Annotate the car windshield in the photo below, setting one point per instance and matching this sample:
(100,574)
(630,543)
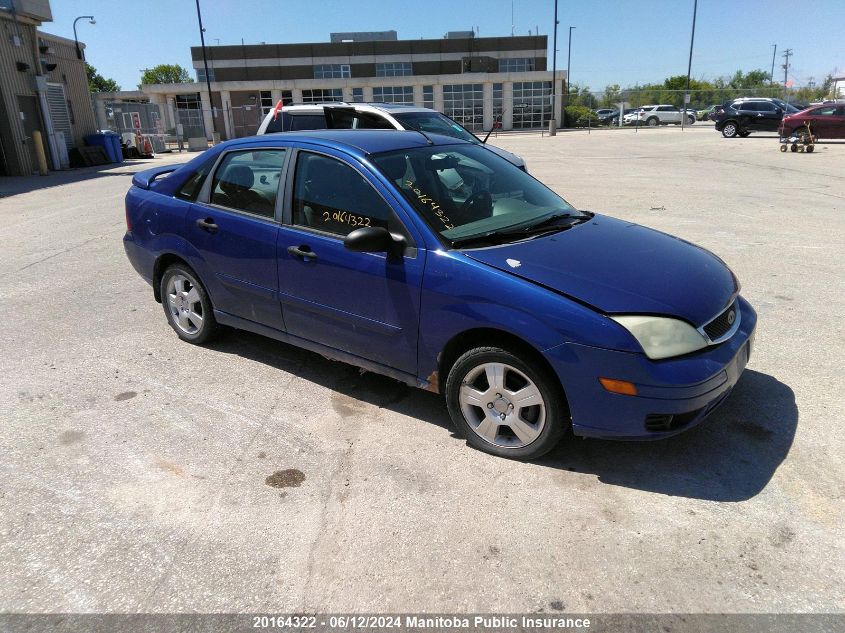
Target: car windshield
(469,194)
(434,123)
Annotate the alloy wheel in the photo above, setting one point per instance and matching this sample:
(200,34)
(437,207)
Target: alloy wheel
(502,405)
(183,300)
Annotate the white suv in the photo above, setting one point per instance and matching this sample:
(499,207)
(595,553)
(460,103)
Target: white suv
(373,116)
(654,115)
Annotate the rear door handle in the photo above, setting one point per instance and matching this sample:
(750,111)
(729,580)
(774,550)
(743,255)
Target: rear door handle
(303,252)
(207,225)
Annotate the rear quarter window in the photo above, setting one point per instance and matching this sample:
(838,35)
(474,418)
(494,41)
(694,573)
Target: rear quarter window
(191,187)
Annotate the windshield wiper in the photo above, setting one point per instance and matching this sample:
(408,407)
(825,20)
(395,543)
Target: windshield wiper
(545,226)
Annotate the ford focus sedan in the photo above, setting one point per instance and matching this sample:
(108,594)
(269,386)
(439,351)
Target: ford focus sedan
(442,265)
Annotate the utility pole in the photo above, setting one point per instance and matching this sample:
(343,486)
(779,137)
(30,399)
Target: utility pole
(787,54)
(772,74)
(553,120)
(689,66)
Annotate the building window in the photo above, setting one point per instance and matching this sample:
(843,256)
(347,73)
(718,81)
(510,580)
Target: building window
(201,74)
(516,65)
(358,95)
(324,94)
(332,71)
(287,97)
(394,69)
(465,104)
(394,94)
(428,97)
(531,107)
(266,101)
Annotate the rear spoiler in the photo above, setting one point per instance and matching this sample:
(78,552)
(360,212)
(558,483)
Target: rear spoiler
(143,179)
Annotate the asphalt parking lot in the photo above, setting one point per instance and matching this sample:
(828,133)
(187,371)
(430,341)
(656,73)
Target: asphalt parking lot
(140,473)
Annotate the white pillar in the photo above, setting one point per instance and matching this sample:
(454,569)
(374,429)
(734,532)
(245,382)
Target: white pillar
(226,106)
(507,105)
(368,94)
(418,95)
(207,119)
(170,111)
(438,97)
(276,95)
(296,93)
(487,117)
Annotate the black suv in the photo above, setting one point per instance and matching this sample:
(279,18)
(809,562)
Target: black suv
(740,117)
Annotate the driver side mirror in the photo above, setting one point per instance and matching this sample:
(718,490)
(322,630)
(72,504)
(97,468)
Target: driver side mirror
(374,239)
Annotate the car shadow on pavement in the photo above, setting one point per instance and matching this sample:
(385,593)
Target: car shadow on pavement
(348,380)
(730,456)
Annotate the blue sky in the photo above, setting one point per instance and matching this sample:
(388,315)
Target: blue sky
(615,41)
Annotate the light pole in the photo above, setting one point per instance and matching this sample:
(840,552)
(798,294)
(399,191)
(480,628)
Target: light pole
(207,79)
(91,20)
(772,74)
(568,58)
(689,66)
(553,121)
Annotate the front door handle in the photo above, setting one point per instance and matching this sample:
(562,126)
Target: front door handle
(207,225)
(303,252)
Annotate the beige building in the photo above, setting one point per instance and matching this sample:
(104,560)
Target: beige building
(478,81)
(43,87)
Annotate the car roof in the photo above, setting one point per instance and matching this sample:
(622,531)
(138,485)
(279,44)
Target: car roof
(356,142)
(362,106)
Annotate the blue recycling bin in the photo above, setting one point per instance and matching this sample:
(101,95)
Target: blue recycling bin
(114,138)
(103,141)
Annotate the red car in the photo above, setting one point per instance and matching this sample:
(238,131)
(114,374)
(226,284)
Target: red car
(825,121)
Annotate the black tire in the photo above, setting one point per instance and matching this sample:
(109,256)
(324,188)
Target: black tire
(652,121)
(200,330)
(555,423)
(793,147)
(691,120)
(810,149)
(730,129)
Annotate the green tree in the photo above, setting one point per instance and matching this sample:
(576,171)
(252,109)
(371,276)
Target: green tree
(612,96)
(98,83)
(166,74)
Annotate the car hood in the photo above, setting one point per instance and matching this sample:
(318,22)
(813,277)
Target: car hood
(508,156)
(619,267)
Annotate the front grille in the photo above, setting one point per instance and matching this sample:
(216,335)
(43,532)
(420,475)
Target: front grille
(657,422)
(723,323)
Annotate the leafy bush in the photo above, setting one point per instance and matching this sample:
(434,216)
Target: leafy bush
(579,116)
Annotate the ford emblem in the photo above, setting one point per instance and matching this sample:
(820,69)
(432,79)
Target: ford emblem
(731,317)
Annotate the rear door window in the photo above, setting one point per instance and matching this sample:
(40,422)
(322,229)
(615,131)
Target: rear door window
(248,181)
(295,122)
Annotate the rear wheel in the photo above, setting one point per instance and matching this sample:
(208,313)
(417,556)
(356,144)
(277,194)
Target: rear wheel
(504,405)
(653,121)
(730,130)
(187,306)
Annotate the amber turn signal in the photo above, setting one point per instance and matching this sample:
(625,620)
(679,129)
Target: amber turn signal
(619,386)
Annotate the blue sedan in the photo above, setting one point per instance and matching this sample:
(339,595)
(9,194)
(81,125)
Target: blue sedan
(440,264)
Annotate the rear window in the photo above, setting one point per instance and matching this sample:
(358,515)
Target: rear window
(294,122)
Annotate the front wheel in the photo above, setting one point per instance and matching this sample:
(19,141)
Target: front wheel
(653,122)
(691,120)
(730,130)
(504,405)
(187,306)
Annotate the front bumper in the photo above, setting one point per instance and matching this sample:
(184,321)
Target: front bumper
(673,394)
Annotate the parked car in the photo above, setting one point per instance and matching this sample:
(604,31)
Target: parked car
(824,121)
(606,115)
(743,116)
(436,262)
(373,116)
(704,114)
(654,115)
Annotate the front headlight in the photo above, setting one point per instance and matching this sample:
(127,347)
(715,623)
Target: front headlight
(661,337)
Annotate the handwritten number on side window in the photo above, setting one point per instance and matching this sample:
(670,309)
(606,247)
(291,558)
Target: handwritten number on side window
(344,217)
